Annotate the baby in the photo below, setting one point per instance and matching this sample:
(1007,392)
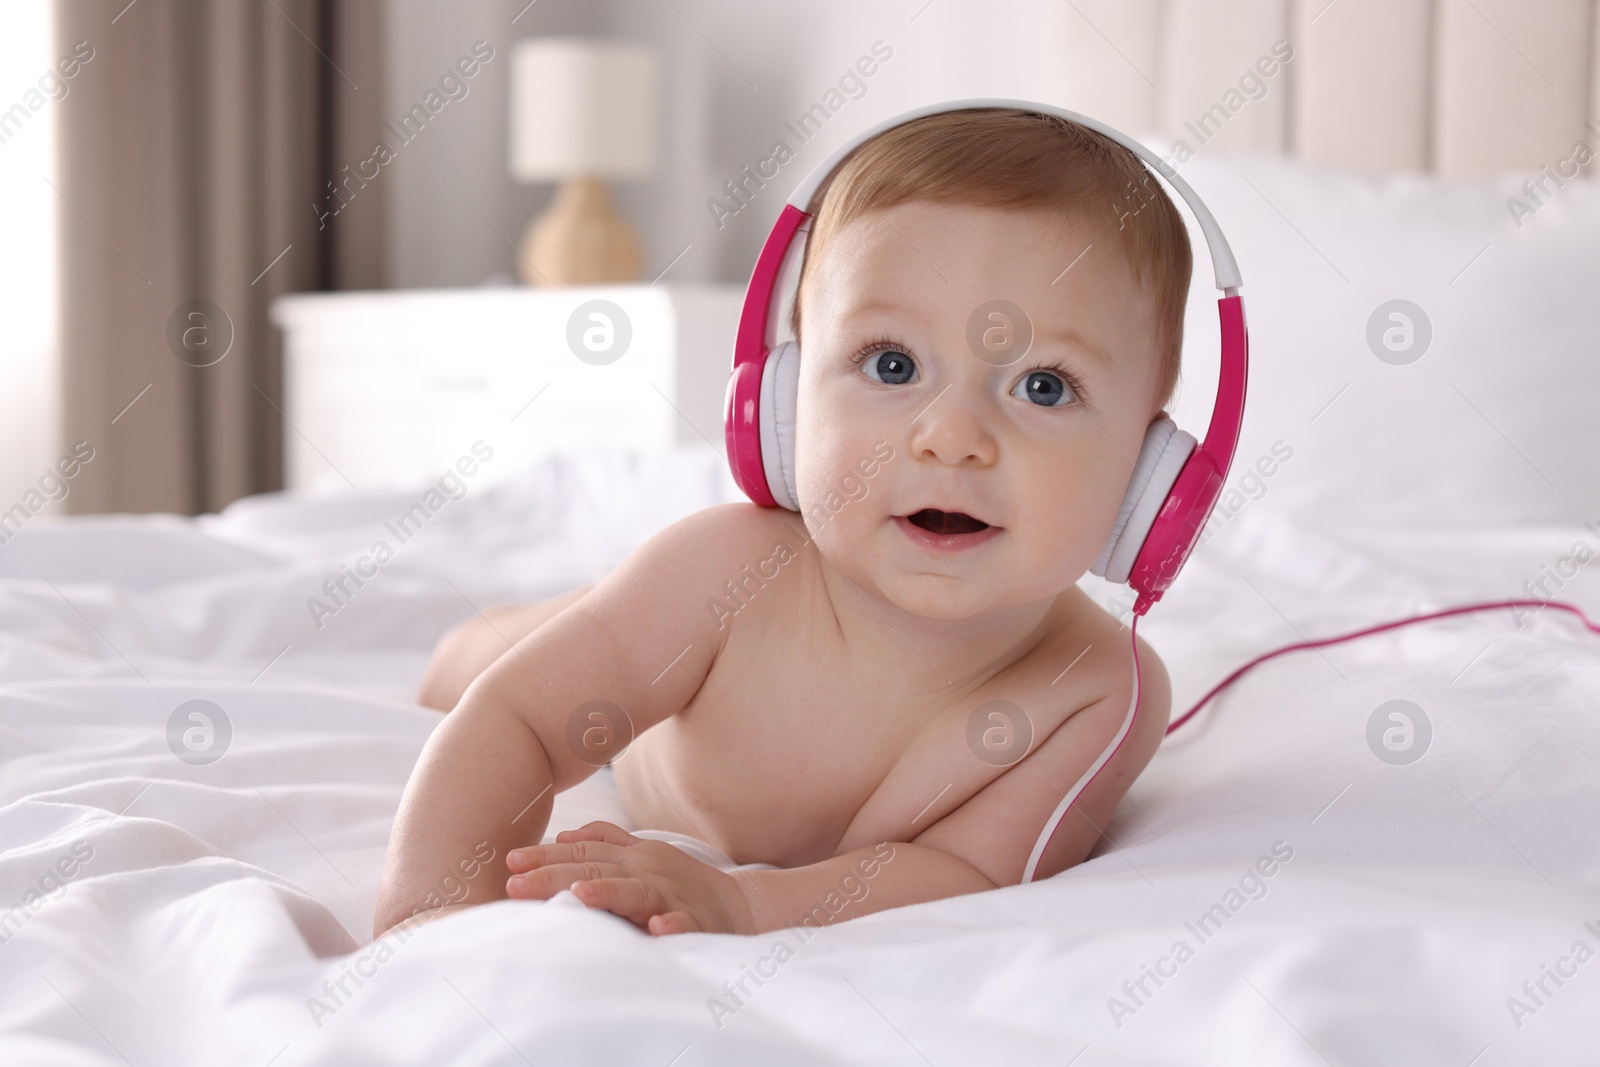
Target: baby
(903,680)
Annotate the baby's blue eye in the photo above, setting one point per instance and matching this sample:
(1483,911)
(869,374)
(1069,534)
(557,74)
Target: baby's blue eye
(1042,388)
(891,367)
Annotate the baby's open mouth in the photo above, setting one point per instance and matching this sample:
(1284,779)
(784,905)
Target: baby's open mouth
(946,522)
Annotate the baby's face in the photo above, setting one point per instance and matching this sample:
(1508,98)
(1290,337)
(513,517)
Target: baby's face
(899,347)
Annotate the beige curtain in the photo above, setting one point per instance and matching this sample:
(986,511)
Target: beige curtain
(196,148)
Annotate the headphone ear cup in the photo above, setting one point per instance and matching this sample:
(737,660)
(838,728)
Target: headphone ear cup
(780,389)
(1161,459)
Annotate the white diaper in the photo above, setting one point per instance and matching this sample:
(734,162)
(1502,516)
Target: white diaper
(702,851)
(597,797)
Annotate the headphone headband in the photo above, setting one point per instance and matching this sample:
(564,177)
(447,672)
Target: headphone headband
(1223,265)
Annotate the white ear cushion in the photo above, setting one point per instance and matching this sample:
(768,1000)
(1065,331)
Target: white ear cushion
(1166,449)
(780,388)
(1155,441)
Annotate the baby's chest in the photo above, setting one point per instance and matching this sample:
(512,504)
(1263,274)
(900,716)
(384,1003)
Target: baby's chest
(794,750)
(800,730)
(793,763)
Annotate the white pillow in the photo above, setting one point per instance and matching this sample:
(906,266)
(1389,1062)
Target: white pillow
(1493,424)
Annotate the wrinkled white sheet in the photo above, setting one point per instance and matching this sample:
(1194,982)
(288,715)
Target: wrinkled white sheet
(207,905)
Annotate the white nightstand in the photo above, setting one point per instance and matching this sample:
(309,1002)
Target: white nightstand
(398,384)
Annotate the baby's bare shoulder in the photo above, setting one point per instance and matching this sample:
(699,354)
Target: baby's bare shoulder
(703,559)
(639,640)
(746,525)
(705,542)
(1091,647)
(713,545)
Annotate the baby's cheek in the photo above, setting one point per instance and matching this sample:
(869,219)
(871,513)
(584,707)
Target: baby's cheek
(837,502)
(842,536)
(1060,539)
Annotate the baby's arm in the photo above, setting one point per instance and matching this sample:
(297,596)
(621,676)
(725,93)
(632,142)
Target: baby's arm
(491,769)
(984,841)
(468,649)
(980,839)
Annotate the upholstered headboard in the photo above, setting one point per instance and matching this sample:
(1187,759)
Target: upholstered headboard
(1453,87)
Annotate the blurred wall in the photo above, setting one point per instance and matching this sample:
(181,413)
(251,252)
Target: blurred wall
(732,75)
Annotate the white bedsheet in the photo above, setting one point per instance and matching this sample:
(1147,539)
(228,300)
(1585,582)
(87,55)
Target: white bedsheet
(208,905)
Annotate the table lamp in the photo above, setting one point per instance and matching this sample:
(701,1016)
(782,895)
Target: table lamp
(583,111)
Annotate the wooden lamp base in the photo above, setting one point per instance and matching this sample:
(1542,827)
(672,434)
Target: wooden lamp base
(580,239)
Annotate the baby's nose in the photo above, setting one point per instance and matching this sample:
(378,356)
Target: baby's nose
(950,431)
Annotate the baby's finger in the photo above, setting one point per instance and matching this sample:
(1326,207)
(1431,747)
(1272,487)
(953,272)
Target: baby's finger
(599,830)
(531,856)
(546,882)
(630,898)
(672,922)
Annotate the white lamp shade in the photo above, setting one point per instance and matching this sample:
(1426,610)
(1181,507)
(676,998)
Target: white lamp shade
(582,108)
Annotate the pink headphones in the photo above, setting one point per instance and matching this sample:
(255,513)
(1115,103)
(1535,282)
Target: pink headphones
(1174,483)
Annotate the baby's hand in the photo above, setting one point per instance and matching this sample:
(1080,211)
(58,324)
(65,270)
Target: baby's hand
(652,884)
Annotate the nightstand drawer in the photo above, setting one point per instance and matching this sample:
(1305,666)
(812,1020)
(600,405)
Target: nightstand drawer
(396,385)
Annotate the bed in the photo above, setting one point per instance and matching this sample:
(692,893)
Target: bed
(198,771)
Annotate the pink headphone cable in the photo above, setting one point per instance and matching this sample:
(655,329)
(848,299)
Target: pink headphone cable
(1031,867)
(1379,629)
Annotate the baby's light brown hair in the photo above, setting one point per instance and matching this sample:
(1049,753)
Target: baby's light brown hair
(1012,158)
